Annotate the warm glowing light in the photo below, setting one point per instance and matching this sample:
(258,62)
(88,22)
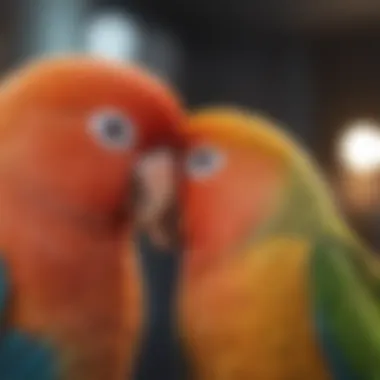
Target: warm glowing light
(113,35)
(359,148)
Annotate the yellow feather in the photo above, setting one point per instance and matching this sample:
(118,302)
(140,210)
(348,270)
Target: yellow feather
(251,318)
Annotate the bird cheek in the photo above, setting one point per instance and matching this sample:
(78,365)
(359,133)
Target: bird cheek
(115,183)
(127,178)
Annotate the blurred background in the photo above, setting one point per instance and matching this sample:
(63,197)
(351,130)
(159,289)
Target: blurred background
(312,64)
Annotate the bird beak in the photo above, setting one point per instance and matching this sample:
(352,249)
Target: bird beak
(155,186)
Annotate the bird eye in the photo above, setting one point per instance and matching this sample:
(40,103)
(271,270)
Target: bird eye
(113,130)
(204,161)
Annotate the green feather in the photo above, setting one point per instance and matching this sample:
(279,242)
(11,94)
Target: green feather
(350,305)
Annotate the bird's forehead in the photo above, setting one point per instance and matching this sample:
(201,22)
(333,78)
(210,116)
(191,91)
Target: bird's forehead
(86,80)
(237,133)
(72,86)
(84,86)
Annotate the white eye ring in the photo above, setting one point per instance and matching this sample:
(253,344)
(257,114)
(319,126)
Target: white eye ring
(204,161)
(112,129)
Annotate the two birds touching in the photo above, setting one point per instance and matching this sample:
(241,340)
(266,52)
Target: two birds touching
(273,285)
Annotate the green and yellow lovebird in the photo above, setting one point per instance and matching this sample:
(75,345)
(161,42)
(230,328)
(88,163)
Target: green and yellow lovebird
(274,285)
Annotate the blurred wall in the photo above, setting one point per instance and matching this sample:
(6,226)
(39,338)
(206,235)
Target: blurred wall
(56,27)
(50,27)
(273,76)
(348,89)
(348,86)
(9,32)
(163,53)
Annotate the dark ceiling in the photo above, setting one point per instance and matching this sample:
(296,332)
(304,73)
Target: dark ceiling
(221,19)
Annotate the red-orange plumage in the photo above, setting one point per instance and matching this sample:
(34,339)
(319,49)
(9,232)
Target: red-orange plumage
(64,207)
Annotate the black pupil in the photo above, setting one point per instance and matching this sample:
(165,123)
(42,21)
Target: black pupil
(114,129)
(202,159)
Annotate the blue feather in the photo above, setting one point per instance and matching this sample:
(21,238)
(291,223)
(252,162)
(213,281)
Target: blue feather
(338,365)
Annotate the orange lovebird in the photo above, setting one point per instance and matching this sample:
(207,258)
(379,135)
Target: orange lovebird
(70,130)
(244,309)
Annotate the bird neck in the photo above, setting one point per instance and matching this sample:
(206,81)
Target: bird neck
(56,260)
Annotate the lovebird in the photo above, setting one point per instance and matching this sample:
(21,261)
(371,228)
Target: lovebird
(274,285)
(71,130)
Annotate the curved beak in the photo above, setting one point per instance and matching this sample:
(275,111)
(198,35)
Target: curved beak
(156,194)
